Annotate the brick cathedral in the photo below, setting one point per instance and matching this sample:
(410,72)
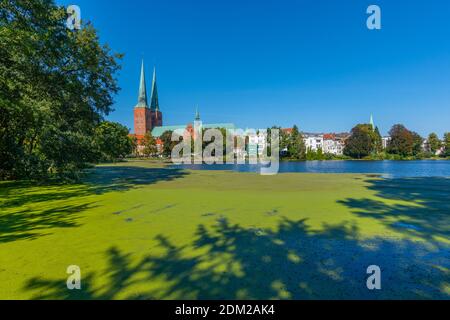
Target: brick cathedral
(147,117)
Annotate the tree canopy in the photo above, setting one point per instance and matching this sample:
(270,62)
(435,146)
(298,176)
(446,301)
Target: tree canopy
(150,149)
(296,145)
(434,143)
(56,86)
(112,141)
(446,144)
(404,142)
(363,141)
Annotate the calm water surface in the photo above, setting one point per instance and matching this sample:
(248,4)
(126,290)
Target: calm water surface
(393,169)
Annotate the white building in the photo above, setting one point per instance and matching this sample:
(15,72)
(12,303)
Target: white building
(440,151)
(313,142)
(257,142)
(334,143)
(427,148)
(335,147)
(385,141)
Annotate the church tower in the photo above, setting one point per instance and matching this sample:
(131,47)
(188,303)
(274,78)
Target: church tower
(147,117)
(157,119)
(198,125)
(142,114)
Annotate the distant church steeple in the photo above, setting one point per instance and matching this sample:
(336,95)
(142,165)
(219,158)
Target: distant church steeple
(154,103)
(372,123)
(197,114)
(142,99)
(147,117)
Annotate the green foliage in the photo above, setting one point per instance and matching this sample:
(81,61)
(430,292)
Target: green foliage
(446,144)
(313,155)
(55,87)
(417,144)
(377,141)
(403,142)
(364,141)
(168,144)
(434,143)
(282,141)
(150,148)
(295,145)
(112,141)
(134,146)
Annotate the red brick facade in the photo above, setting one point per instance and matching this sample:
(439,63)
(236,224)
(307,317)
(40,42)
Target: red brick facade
(142,121)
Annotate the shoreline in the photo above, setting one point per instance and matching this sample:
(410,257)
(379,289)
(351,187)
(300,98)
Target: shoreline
(167,161)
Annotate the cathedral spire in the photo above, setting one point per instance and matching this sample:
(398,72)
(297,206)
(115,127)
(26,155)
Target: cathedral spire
(197,114)
(142,100)
(154,103)
(372,123)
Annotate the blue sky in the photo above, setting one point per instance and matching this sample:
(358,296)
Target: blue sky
(312,63)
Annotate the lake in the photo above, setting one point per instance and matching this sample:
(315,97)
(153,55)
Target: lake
(392,169)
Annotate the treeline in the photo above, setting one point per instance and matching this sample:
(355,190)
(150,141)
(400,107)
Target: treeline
(56,86)
(365,142)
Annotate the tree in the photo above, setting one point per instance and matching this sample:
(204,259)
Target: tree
(283,140)
(418,149)
(434,143)
(166,139)
(112,141)
(296,145)
(402,142)
(377,141)
(446,144)
(55,87)
(134,145)
(315,155)
(150,148)
(362,141)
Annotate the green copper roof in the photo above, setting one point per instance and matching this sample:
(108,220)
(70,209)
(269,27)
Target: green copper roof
(154,103)
(158,131)
(219,126)
(142,100)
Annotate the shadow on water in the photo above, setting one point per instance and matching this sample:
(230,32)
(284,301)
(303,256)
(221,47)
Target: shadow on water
(51,208)
(123,178)
(31,224)
(421,207)
(292,262)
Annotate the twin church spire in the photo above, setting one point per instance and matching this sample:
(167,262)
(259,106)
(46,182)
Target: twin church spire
(142,99)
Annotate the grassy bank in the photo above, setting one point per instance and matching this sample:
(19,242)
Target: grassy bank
(139,230)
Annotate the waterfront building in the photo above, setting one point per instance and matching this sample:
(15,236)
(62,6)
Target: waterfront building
(385,142)
(313,142)
(334,144)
